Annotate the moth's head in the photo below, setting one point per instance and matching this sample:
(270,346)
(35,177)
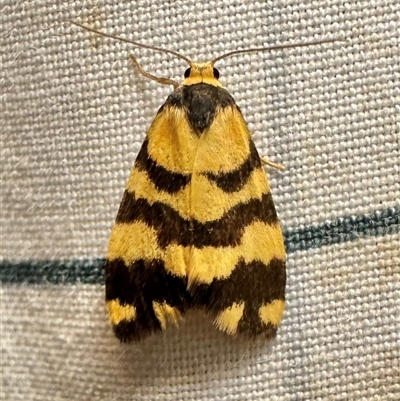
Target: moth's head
(201,73)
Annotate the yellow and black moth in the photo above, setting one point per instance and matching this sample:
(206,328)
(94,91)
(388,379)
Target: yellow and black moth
(197,226)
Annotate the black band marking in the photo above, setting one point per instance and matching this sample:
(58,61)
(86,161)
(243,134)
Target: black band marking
(200,102)
(255,284)
(163,179)
(139,285)
(171,227)
(143,282)
(235,180)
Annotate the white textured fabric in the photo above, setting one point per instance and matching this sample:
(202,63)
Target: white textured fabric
(74,113)
(339,340)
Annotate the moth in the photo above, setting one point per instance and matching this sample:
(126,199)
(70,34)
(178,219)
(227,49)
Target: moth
(197,227)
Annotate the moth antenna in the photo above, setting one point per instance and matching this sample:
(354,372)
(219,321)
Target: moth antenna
(160,80)
(278,47)
(107,35)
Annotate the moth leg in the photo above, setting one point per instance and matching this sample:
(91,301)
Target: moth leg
(160,80)
(272,164)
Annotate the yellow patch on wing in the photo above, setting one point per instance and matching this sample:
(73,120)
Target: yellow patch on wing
(133,241)
(140,184)
(172,142)
(229,318)
(176,259)
(208,202)
(219,149)
(166,313)
(272,313)
(202,200)
(260,241)
(225,145)
(119,313)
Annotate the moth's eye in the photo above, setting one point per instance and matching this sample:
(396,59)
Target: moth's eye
(216,73)
(187,73)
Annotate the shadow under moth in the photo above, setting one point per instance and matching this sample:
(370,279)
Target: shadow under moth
(197,226)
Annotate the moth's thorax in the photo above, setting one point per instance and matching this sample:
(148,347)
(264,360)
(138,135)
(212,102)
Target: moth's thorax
(201,73)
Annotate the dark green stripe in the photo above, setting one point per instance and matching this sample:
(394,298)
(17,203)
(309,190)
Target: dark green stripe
(53,271)
(343,230)
(91,271)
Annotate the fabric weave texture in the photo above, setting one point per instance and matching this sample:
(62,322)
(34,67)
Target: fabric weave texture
(74,113)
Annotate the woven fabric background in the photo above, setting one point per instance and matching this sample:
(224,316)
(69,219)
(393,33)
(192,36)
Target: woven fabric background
(73,115)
